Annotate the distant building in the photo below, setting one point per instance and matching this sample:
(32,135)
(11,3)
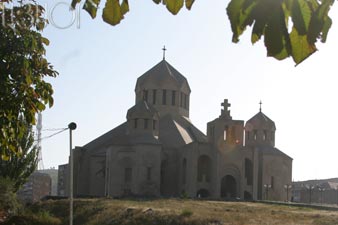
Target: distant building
(316,191)
(37,187)
(158,151)
(63,182)
(53,173)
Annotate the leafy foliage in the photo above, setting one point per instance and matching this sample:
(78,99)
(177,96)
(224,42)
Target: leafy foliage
(270,19)
(19,167)
(8,200)
(23,66)
(115,10)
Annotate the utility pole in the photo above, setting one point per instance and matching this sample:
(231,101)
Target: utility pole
(71,127)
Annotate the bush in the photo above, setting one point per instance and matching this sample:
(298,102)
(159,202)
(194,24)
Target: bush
(8,200)
(42,218)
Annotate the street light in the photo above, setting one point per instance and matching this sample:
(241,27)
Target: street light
(71,127)
(287,188)
(310,188)
(266,187)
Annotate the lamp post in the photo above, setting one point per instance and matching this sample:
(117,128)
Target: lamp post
(310,188)
(287,188)
(266,187)
(71,127)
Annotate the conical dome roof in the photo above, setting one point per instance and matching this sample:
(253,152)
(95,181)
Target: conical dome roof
(261,121)
(159,75)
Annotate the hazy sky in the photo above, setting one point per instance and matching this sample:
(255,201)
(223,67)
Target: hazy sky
(99,65)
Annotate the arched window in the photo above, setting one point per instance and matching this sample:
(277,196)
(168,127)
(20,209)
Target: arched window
(173,98)
(164,97)
(248,171)
(204,169)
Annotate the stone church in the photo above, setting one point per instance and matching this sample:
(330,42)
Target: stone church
(159,152)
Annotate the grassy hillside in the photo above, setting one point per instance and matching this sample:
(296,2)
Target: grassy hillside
(177,212)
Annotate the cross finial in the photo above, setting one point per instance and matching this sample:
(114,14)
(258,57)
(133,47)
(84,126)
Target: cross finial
(260,106)
(164,49)
(225,111)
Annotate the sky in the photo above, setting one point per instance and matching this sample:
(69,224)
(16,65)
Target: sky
(98,65)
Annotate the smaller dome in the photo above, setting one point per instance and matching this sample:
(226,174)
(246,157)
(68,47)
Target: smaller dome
(260,121)
(142,110)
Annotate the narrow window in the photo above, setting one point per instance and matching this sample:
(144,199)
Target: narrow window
(173,98)
(145,95)
(127,175)
(181,102)
(135,123)
(154,124)
(154,97)
(248,135)
(145,123)
(272,182)
(185,101)
(255,134)
(264,135)
(148,173)
(164,97)
(225,133)
(272,136)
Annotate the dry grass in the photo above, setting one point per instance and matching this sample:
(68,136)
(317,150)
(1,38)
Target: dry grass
(185,212)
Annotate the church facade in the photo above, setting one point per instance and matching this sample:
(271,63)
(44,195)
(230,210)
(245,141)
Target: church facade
(158,152)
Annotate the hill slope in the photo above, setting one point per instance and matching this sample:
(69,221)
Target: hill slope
(182,212)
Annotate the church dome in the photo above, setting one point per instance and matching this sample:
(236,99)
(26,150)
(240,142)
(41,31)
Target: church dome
(261,121)
(260,131)
(162,76)
(164,88)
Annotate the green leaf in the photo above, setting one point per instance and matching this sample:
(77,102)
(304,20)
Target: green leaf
(326,27)
(157,1)
(174,6)
(112,12)
(74,3)
(301,15)
(124,7)
(189,3)
(233,10)
(301,48)
(91,7)
(318,20)
(276,36)
(45,41)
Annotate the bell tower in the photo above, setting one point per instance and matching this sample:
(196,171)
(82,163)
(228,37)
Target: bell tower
(224,131)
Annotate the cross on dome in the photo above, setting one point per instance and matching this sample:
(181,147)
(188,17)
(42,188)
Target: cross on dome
(260,106)
(164,49)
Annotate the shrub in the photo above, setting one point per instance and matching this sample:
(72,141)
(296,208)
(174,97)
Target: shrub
(8,200)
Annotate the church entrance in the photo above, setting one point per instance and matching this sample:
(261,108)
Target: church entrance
(228,187)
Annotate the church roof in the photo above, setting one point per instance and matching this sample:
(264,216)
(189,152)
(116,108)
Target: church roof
(142,107)
(119,136)
(272,151)
(160,73)
(261,120)
(176,131)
